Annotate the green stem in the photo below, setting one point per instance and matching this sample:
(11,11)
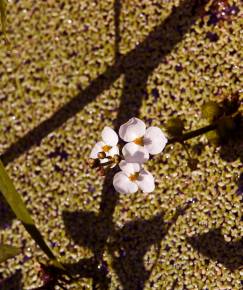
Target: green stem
(193,134)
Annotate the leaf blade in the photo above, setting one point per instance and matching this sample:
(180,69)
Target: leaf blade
(3,6)
(18,206)
(13,198)
(7,252)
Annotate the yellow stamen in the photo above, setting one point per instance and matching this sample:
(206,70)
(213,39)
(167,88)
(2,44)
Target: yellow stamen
(139,141)
(134,177)
(106,148)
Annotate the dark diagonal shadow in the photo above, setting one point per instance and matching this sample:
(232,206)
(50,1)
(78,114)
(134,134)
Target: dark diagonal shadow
(213,246)
(13,282)
(135,65)
(117,12)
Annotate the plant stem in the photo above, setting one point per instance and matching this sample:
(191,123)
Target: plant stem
(193,134)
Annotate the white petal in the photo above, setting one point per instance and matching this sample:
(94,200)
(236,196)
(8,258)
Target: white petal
(129,168)
(132,129)
(96,149)
(145,181)
(113,151)
(109,136)
(154,140)
(134,153)
(123,184)
(104,160)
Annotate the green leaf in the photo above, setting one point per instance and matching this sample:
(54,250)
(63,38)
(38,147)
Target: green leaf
(13,198)
(17,205)
(7,252)
(3,6)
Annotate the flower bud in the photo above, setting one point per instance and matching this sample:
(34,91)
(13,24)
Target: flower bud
(211,111)
(213,137)
(101,155)
(93,162)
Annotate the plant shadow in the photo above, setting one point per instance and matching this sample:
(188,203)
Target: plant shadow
(136,66)
(232,149)
(213,246)
(13,282)
(127,246)
(6,214)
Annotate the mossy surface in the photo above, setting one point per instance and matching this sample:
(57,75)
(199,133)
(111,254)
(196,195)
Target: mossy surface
(72,67)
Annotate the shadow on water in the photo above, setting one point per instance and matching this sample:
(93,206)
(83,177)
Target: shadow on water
(136,66)
(13,282)
(232,150)
(213,246)
(6,214)
(127,246)
(117,12)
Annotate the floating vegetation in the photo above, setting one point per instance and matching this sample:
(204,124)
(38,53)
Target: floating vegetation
(74,67)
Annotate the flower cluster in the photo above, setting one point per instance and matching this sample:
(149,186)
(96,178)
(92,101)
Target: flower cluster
(140,143)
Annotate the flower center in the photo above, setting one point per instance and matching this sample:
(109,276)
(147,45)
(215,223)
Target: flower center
(134,177)
(106,148)
(139,141)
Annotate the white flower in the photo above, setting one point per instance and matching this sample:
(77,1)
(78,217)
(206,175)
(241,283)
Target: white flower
(108,145)
(142,141)
(132,177)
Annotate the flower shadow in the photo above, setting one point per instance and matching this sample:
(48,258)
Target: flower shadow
(213,246)
(130,246)
(127,246)
(85,229)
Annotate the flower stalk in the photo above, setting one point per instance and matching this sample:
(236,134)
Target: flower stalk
(192,134)
(195,133)
(142,142)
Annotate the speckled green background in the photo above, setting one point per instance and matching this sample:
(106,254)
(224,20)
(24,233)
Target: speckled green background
(68,71)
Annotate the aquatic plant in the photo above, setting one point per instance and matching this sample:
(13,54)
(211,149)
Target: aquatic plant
(141,143)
